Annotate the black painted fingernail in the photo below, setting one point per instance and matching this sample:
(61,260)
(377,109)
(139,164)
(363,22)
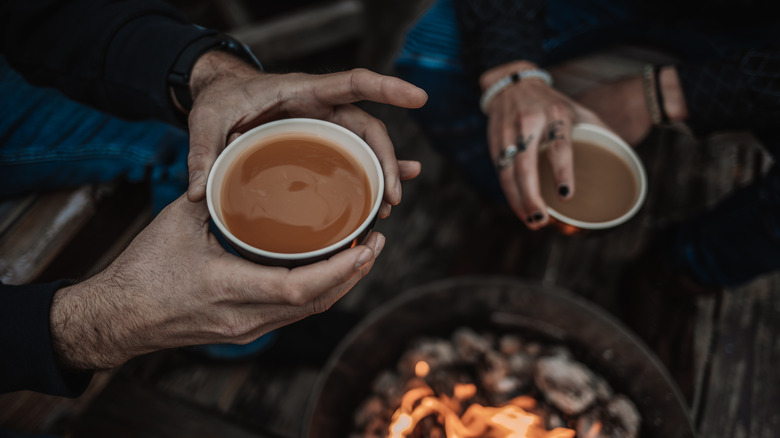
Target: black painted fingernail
(538,216)
(563,190)
(529,219)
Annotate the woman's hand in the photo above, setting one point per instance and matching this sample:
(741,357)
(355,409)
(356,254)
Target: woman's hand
(527,116)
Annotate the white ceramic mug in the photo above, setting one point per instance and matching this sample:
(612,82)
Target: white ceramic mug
(588,133)
(330,133)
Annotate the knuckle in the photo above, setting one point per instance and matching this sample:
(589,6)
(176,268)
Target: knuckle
(378,124)
(236,328)
(557,146)
(197,152)
(320,306)
(531,119)
(294,295)
(560,109)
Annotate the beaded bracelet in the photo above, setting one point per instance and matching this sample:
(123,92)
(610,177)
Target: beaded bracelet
(653,96)
(515,77)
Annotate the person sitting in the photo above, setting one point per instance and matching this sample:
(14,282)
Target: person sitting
(727,79)
(174,285)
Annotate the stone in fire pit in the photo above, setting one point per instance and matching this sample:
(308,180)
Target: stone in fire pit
(564,393)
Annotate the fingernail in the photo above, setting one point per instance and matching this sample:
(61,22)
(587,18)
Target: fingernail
(563,190)
(364,258)
(398,191)
(538,216)
(379,245)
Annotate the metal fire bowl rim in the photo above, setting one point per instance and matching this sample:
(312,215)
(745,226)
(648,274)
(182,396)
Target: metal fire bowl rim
(465,283)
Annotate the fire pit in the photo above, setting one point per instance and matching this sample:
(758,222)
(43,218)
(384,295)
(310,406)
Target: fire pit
(540,315)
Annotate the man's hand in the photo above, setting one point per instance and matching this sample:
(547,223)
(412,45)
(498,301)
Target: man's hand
(530,115)
(176,286)
(231,97)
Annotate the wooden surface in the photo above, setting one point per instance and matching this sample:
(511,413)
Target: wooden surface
(37,227)
(443,229)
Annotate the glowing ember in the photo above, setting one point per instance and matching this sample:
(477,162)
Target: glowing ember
(421,369)
(509,421)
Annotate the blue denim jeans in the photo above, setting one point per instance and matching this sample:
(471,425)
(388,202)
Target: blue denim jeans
(48,141)
(728,245)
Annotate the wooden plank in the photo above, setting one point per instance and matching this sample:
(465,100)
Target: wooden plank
(120,243)
(235,14)
(303,32)
(33,413)
(730,400)
(742,389)
(11,210)
(46,227)
(128,408)
(266,394)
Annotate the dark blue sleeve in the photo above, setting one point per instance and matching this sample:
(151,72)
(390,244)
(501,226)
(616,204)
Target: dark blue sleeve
(27,359)
(740,92)
(111,54)
(499,31)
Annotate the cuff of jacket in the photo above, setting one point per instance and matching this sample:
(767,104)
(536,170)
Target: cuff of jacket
(131,77)
(25,338)
(718,98)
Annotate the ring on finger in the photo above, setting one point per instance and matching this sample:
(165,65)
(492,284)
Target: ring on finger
(506,157)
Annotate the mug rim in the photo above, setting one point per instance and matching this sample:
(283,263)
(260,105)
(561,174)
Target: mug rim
(642,182)
(221,161)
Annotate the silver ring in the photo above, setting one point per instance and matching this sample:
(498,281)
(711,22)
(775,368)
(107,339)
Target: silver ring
(505,159)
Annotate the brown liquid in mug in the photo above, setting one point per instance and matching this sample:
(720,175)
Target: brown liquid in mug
(605,186)
(295,194)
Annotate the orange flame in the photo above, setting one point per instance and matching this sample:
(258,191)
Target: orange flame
(509,421)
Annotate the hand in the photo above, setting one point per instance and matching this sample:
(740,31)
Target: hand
(621,105)
(231,97)
(176,286)
(529,115)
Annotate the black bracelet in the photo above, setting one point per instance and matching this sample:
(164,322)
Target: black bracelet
(658,96)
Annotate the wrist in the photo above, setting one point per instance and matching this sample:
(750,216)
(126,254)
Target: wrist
(515,77)
(188,69)
(215,65)
(490,77)
(673,96)
(81,340)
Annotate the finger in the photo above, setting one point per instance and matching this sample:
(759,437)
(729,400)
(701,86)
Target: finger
(526,172)
(207,140)
(285,314)
(361,84)
(498,133)
(252,283)
(376,242)
(384,210)
(374,132)
(559,152)
(409,169)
